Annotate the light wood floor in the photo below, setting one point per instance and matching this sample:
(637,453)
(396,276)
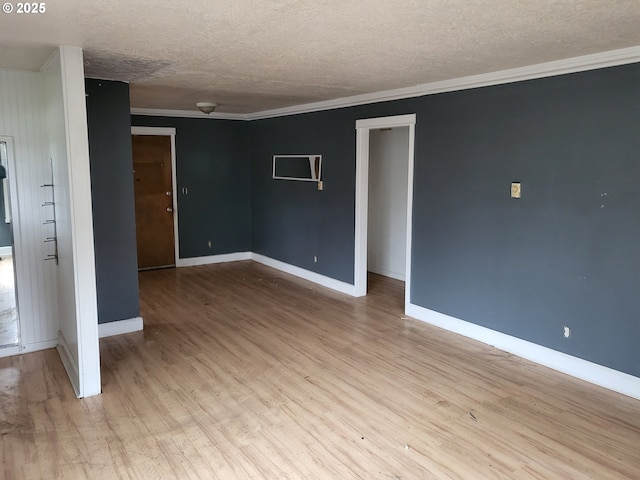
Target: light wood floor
(245,372)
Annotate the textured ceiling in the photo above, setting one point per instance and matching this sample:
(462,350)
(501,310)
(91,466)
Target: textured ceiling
(257,55)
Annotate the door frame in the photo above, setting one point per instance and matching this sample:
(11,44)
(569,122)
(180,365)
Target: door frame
(21,278)
(363,127)
(167,132)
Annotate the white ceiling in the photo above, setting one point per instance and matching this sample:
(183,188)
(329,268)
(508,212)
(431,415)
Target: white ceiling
(250,56)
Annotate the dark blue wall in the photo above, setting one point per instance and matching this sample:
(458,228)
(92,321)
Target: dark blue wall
(112,200)
(212,163)
(564,254)
(291,220)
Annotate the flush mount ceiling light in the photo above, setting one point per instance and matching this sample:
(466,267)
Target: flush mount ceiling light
(206,107)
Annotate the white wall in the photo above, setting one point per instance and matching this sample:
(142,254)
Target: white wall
(21,98)
(54,116)
(387,225)
(66,120)
(44,116)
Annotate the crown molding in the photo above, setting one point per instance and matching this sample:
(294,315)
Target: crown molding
(54,54)
(152,112)
(541,70)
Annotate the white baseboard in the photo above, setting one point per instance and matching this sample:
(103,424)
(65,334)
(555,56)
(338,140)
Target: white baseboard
(227,257)
(6,251)
(11,351)
(387,273)
(314,277)
(32,347)
(70,364)
(120,327)
(591,372)
(323,280)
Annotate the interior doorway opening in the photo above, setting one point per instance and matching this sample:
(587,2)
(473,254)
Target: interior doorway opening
(387,208)
(384,195)
(9,318)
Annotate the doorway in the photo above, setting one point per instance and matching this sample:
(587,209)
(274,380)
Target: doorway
(364,128)
(154,191)
(387,209)
(9,319)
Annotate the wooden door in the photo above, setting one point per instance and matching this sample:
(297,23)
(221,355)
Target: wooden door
(154,200)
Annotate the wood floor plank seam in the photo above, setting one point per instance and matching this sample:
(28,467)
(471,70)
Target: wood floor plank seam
(244,372)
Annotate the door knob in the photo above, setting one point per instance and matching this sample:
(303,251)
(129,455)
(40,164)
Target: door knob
(169,209)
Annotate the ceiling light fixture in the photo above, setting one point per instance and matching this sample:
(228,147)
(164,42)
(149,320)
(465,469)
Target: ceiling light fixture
(206,107)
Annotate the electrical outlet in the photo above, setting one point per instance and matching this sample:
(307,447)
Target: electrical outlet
(567,332)
(315,259)
(209,243)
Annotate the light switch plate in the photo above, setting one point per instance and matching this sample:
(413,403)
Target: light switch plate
(515,190)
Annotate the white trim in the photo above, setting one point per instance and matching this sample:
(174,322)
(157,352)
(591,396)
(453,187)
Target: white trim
(29,348)
(21,283)
(153,112)
(36,346)
(120,327)
(14,350)
(50,61)
(388,273)
(6,251)
(541,70)
(363,127)
(576,367)
(362,207)
(83,257)
(314,277)
(69,364)
(161,131)
(407,283)
(387,122)
(211,259)
(22,278)
(174,200)
(167,132)
(5,193)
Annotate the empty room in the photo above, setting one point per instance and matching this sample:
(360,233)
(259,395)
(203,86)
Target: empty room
(308,240)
